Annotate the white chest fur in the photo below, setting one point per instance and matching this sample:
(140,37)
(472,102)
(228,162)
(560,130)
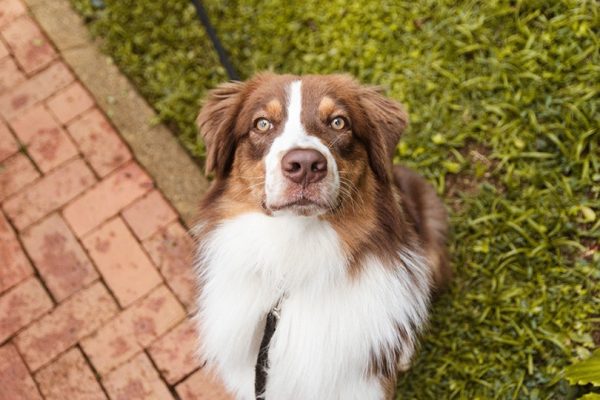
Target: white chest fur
(331,323)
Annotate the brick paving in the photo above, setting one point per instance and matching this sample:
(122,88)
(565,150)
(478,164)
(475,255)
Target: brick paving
(96,286)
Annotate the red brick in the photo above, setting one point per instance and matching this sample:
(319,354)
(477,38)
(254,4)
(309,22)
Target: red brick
(72,320)
(70,102)
(16,173)
(21,305)
(49,193)
(51,148)
(175,353)
(15,266)
(8,144)
(136,380)
(107,198)
(28,44)
(36,89)
(70,377)
(47,143)
(202,385)
(147,215)
(120,259)
(28,124)
(58,257)
(172,250)
(10,75)
(15,381)
(134,329)
(10,9)
(99,142)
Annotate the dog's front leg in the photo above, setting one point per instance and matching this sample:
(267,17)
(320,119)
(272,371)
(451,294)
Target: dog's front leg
(230,332)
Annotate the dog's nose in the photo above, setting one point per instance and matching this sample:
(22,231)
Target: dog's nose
(304,166)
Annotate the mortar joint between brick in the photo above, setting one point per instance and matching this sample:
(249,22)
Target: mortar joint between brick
(186,376)
(100,277)
(160,375)
(97,375)
(36,272)
(31,374)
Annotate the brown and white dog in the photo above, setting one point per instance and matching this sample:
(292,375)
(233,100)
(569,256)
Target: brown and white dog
(308,214)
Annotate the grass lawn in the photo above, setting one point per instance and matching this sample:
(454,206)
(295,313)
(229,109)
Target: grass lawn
(504,99)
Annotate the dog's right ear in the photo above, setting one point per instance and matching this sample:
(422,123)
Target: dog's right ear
(216,123)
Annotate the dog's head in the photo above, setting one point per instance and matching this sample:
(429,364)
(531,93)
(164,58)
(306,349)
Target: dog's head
(300,145)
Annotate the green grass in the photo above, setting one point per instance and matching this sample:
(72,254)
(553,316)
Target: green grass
(504,102)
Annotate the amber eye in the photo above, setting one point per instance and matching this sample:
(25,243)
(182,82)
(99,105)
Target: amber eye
(263,124)
(338,123)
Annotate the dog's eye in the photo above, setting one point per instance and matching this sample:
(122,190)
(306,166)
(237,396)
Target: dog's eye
(338,123)
(263,124)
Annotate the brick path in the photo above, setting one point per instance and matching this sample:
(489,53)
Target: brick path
(95,276)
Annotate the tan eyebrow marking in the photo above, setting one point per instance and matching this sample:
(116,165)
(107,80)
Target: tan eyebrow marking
(326,107)
(274,109)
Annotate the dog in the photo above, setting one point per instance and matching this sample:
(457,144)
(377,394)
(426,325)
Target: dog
(308,224)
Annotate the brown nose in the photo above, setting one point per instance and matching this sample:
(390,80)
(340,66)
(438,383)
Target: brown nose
(304,166)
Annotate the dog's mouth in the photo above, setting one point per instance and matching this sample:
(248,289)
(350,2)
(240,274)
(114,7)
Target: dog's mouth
(301,205)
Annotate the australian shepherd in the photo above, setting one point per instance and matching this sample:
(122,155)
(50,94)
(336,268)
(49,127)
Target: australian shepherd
(317,258)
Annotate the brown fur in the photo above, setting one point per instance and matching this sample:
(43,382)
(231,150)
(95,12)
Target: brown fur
(381,208)
(429,218)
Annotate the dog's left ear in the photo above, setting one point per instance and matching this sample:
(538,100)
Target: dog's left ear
(387,120)
(216,123)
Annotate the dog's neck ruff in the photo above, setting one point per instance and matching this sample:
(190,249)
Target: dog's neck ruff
(334,329)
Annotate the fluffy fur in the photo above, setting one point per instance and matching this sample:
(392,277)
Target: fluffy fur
(352,260)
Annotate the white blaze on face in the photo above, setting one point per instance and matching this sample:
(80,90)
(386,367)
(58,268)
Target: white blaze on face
(294,136)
